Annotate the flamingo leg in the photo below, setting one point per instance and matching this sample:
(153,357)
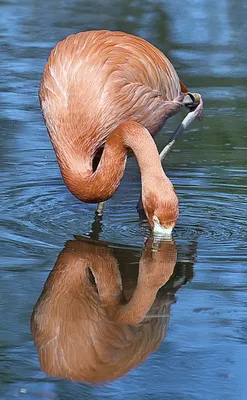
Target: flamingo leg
(100,209)
(194,102)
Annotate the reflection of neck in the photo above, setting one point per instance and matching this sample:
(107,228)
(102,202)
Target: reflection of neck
(155,269)
(100,185)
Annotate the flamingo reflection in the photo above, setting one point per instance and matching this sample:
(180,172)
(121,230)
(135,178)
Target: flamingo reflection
(84,327)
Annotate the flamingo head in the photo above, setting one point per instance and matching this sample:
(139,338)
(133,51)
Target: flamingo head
(161,208)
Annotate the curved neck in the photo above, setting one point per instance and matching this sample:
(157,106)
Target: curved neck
(93,187)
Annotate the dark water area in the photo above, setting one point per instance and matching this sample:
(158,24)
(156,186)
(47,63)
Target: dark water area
(194,339)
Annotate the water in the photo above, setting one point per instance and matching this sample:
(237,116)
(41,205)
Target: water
(203,354)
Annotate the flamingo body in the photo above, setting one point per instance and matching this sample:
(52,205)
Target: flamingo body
(103,93)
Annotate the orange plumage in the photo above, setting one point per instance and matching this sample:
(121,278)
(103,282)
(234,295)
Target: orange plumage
(103,93)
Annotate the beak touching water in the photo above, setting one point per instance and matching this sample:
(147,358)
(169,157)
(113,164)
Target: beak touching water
(161,230)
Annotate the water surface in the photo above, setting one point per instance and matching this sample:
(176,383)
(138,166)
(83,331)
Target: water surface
(204,352)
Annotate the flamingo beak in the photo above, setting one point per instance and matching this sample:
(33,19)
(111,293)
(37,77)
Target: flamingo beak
(161,230)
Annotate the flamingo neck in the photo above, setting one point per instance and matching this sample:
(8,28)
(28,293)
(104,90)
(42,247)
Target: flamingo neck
(99,185)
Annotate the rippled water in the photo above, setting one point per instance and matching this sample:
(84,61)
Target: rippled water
(204,354)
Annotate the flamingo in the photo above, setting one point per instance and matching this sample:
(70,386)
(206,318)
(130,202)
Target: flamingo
(104,95)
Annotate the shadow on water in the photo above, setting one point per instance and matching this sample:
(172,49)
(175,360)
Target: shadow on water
(102,312)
